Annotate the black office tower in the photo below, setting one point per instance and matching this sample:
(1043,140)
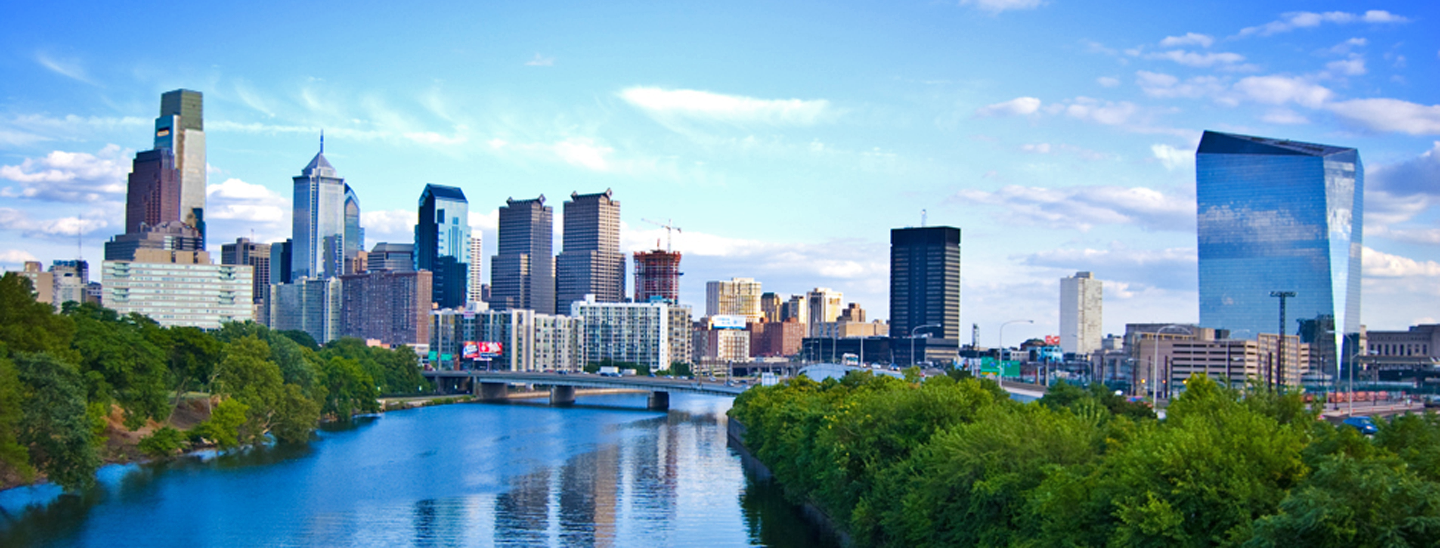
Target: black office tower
(590,263)
(925,293)
(442,243)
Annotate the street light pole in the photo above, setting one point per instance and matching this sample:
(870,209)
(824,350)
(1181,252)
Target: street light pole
(912,339)
(1155,363)
(1001,343)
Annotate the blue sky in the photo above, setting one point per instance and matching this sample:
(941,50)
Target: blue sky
(786,140)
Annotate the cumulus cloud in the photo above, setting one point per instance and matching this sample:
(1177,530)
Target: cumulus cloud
(1173,268)
(1189,39)
(1305,19)
(1173,158)
(1108,81)
(706,106)
(1384,265)
(1284,116)
(1354,66)
(238,200)
(1278,90)
(1083,207)
(1392,115)
(66,227)
(1157,84)
(1344,47)
(390,225)
(70,176)
(1396,193)
(583,152)
(997,6)
(1019,106)
(1195,59)
(1093,110)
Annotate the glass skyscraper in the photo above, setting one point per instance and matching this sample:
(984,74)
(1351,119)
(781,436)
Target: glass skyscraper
(442,243)
(1278,215)
(319,221)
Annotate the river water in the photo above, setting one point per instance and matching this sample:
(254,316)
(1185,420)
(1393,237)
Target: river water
(605,472)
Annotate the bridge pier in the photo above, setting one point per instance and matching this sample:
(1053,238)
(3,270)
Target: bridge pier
(562,395)
(659,401)
(491,391)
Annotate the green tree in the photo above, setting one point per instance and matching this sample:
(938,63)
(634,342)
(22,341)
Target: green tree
(302,338)
(120,364)
(223,426)
(192,357)
(348,389)
(1349,503)
(13,455)
(54,424)
(30,326)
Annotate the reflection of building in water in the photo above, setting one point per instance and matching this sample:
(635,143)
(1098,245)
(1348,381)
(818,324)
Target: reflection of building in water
(522,514)
(588,498)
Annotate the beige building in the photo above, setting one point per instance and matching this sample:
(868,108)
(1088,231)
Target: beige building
(733,297)
(1174,357)
(179,288)
(824,305)
(41,281)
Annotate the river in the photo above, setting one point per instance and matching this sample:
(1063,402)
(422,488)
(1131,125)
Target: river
(605,472)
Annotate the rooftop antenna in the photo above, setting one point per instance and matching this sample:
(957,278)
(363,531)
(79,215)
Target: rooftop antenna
(322,141)
(922,218)
(79,230)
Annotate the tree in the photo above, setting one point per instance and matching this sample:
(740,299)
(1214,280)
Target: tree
(1349,502)
(120,364)
(12,454)
(192,358)
(348,389)
(247,375)
(30,326)
(223,426)
(304,339)
(54,424)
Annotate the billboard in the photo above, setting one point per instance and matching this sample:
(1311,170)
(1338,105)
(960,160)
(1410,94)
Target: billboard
(481,350)
(727,321)
(1006,368)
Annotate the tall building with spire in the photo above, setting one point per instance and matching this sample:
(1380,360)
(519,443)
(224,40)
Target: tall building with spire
(318,222)
(522,273)
(590,261)
(181,128)
(442,243)
(165,192)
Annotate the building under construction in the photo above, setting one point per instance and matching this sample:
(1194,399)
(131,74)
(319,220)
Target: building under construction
(657,274)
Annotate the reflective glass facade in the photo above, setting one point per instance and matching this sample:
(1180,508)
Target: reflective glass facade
(1276,215)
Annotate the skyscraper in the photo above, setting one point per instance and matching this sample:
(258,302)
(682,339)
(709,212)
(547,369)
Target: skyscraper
(657,274)
(181,128)
(152,195)
(1278,215)
(354,234)
(476,291)
(442,243)
(256,256)
(925,291)
(823,305)
(590,262)
(318,221)
(1081,302)
(733,297)
(522,273)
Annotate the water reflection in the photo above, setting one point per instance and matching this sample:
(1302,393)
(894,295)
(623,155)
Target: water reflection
(463,475)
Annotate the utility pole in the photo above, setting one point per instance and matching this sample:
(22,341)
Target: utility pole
(1280,346)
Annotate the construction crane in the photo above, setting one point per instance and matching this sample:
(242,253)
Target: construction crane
(670,229)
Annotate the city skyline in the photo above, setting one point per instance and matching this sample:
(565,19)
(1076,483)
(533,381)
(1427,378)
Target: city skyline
(1057,136)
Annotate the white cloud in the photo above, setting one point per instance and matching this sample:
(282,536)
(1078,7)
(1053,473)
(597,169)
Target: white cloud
(237,200)
(14,219)
(1019,106)
(1284,116)
(1157,84)
(1104,112)
(391,225)
(1305,19)
(997,6)
(1190,39)
(583,152)
(1354,66)
(1038,148)
(1195,59)
(1083,207)
(69,68)
(736,109)
(1344,47)
(1390,115)
(70,176)
(1172,268)
(1384,265)
(15,256)
(1278,90)
(1173,158)
(1396,193)
(540,61)
(1107,81)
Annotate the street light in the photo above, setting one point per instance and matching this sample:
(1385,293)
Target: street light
(912,339)
(1155,363)
(1001,343)
(1229,380)
(1351,397)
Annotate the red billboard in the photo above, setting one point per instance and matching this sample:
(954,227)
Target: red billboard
(480,350)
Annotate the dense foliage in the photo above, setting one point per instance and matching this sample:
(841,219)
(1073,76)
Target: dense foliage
(61,374)
(956,462)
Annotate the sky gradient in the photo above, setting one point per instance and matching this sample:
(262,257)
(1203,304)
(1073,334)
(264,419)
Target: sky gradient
(786,140)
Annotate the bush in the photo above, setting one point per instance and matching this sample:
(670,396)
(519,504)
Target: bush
(165,442)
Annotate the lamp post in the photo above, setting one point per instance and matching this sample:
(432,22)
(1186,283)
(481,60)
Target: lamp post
(1155,363)
(1351,397)
(1229,380)
(912,339)
(1001,343)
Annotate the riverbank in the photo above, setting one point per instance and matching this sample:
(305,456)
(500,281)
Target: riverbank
(735,432)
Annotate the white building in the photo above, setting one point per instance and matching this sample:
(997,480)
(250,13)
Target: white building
(179,288)
(824,305)
(628,332)
(736,296)
(1081,304)
(528,341)
(475,291)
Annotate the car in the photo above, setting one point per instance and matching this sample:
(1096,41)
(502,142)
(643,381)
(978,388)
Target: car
(1432,401)
(1364,424)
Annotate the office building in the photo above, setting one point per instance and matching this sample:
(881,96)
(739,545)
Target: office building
(628,332)
(776,339)
(925,292)
(280,255)
(442,243)
(179,288)
(257,257)
(720,343)
(1081,301)
(590,262)
(797,308)
(522,273)
(391,257)
(181,129)
(41,282)
(475,292)
(354,233)
(166,236)
(391,307)
(318,222)
(823,305)
(770,306)
(71,280)
(733,297)
(657,274)
(152,193)
(1278,216)
(528,341)
(309,305)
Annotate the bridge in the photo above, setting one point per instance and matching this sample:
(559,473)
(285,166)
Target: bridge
(492,385)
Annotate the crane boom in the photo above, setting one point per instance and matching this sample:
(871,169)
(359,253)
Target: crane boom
(670,229)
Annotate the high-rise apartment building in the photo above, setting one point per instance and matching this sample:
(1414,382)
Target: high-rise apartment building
(590,262)
(629,332)
(824,306)
(657,275)
(1279,216)
(770,306)
(179,288)
(528,341)
(475,291)
(925,292)
(391,257)
(522,273)
(797,309)
(391,307)
(257,257)
(1081,302)
(733,297)
(309,305)
(319,221)
(181,128)
(442,242)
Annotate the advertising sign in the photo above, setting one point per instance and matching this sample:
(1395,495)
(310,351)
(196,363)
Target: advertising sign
(470,351)
(1052,340)
(727,321)
(490,349)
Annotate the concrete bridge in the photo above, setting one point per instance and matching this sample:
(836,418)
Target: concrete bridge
(491,385)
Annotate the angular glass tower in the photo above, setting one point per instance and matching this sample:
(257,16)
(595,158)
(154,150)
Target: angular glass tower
(1277,215)
(442,243)
(318,228)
